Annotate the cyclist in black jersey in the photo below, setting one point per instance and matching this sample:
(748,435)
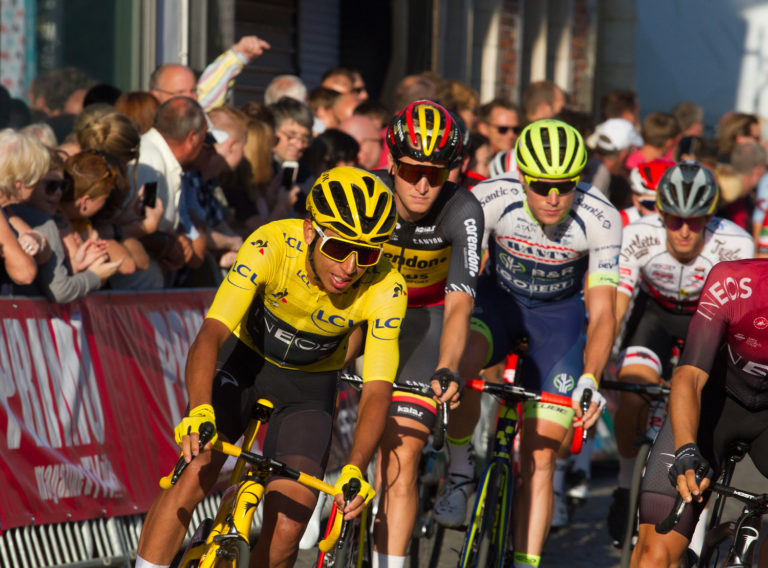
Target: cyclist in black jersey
(436,247)
(278,328)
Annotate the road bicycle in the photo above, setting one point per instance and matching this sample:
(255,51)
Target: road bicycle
(656,396)
(489,532)
(727,544)
(356,534)
(225,539)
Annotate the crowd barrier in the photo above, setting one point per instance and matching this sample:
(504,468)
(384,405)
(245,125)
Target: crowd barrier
(89,394)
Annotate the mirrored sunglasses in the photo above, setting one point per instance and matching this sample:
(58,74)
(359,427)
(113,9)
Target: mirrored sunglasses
(543,187)
(413,173)
(338,249)
(675,223)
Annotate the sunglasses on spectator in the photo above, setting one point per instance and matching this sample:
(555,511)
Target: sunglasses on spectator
(544,187)
(338,249)
(648,204)
(53,185)
(504,129)
(413,173)
(695,224)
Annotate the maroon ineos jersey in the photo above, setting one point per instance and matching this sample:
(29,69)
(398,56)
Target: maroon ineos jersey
(733,310)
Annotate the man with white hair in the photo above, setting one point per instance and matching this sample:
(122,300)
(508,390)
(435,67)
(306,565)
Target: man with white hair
(285,86)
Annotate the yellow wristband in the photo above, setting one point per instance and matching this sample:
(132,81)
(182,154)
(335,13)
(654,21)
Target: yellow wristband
(591,376)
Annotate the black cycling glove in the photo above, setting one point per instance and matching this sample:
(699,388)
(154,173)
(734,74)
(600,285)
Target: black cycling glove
(689,457)
(445,377)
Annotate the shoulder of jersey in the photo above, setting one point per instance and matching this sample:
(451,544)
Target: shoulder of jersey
(652,220)
(499,186)
(721,226)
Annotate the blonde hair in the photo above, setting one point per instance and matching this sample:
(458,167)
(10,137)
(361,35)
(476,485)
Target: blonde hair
(43,132)
(258,151)
(231,120)
(730,183)
(23,159)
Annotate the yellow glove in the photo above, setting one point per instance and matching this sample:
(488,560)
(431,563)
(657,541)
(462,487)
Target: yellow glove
(192,422)
(349,472)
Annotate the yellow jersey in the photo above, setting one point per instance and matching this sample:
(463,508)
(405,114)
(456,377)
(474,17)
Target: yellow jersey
(268,301)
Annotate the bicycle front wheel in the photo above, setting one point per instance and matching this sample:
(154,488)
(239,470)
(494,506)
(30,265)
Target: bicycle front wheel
(485,545)
(634,497)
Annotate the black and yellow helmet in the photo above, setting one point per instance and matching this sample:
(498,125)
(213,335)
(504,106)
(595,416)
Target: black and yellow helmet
(354,203)
(550,149)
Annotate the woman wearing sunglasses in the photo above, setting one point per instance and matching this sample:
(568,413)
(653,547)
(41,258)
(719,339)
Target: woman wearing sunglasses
(550,238)
(278,328)
(664,262)
(436,247)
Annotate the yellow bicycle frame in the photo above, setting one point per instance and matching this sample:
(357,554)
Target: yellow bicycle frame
(240,501)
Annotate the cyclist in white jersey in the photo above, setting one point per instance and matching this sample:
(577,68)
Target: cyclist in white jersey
(665,258)
(544,232)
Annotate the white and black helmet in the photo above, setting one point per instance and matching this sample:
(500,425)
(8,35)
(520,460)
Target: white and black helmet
(687,189)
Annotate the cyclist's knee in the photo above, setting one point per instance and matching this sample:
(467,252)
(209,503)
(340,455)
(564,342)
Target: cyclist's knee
(654,550)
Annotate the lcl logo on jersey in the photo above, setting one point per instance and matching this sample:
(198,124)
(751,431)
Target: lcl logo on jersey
(294,243)
(563,382)
(760,322)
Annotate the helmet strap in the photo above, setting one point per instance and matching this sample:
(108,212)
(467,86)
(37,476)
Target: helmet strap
(311,257)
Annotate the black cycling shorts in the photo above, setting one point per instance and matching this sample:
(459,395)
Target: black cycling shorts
(299,431)
(419,346)
(723,421)
(656,329)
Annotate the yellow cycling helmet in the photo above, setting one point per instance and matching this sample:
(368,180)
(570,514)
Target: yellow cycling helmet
(550,149)
(354,203)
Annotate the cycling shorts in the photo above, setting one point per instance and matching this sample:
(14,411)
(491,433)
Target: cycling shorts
(652,332)
(299,431)
(723,421)
(556,339)
(419,345)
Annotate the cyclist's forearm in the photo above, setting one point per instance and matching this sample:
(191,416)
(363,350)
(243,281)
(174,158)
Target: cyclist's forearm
(685,403)
(201,361)
(600,334)
(371,419)
(457,311)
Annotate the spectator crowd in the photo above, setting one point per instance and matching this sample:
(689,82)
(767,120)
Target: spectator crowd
(156,189)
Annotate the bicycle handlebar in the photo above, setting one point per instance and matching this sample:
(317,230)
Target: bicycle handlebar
(656,390)
(512,394)
(678,508)
(413,387)
(269,465)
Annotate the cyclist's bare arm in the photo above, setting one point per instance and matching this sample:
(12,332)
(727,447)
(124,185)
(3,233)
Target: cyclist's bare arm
(372,411)
(600,336)
(684,408)
(200,369)
(457,310)
(622,305)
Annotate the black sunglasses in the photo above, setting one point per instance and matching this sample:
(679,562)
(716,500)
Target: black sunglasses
(54,185)
(545,187)
(505,129)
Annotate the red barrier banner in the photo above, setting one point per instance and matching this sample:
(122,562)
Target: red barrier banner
(89,395)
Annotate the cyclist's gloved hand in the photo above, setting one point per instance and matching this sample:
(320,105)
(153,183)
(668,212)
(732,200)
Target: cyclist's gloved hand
(445,377)
(585,382)
(688,457)
(190,424)
(349,472)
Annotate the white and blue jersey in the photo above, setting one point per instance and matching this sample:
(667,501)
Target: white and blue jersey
(540,263)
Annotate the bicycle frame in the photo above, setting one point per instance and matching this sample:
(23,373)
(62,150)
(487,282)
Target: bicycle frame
(499,466)
(234,515)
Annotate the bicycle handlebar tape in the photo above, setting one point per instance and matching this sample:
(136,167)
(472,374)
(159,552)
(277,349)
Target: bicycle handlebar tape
(206,432)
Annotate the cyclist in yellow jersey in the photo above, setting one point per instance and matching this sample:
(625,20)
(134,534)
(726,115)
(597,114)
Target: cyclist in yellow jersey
(278,329)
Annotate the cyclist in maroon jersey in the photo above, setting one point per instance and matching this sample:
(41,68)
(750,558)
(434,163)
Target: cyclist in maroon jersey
(726,341)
